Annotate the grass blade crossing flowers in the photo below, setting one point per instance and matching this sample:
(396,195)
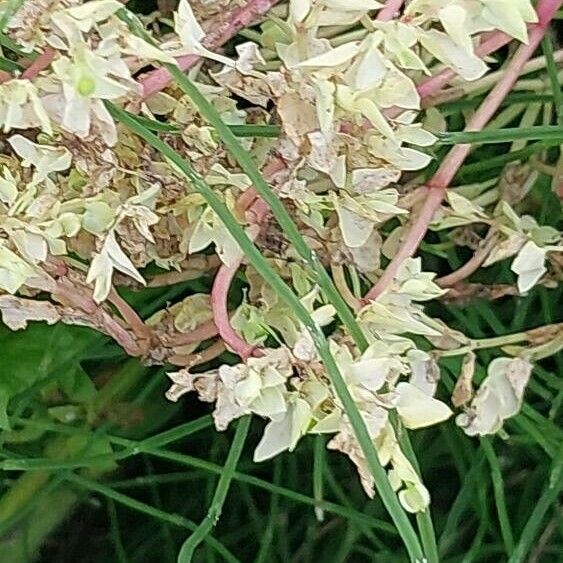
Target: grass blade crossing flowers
(383,486)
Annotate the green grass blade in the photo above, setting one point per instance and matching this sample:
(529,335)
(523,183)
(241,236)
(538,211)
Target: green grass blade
(318,468)
(539,133)
(532,527)
(423,519)
(547,48)
(120,552)
(175,519)
(271,131)
(11,7)
(500,502)
(161,127)
(11,45)
(254,256)
(268,535)
(9,66)
(477,168)
(204,529)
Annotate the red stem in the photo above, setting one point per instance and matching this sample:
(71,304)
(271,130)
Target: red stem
(390,10)
(441,180)
(222,283)
(470,266)
(199,334)
(40,63)
(191,360)
(240,18)
(129,315)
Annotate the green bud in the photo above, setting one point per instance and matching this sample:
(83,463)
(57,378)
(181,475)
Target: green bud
(86,86)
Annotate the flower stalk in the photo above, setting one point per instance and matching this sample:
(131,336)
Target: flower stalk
(221,32)
(436,187)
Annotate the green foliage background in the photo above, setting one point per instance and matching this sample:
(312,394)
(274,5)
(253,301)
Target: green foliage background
(96,466)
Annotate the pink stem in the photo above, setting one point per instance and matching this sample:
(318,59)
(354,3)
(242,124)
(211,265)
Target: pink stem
(158,79)
(245,200)
(192,360)
(437,186)
(40,63)
(65,293)
(470,266)
(221,286)
(202,332)
(129,315)
(390,10)
(120,335)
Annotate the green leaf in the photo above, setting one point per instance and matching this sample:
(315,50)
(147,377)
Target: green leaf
(9,66)
(551,133)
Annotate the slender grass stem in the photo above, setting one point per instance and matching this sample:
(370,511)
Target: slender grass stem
(254,256)
(213,514)
(500,501)
(149,510)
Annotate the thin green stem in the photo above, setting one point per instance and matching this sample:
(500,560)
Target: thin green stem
(139,506)
(318,467)
(120,552)
(500,501)
(531,529)
(213,514)
(286,294)
(547,47)
(154,448)
(538,133)
(423,519)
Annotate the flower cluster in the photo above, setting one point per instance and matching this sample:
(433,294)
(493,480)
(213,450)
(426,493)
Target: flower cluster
(86,205)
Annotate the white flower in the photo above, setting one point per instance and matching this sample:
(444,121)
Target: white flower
(190,36)
(21,107)
(87,79)
(417,409)
(83,18)
(468,65)
(14,271)
(44,158)
(210,229)
(529,265)
(358,215)
(8,187)
(499,397)
(101,269)
(283,434)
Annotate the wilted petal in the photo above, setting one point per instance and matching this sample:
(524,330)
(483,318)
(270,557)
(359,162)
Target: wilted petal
(284,434)
(418,410)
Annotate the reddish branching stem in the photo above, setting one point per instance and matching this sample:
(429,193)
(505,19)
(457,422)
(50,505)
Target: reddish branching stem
(219,293)
(129,315)
(230,25)
(192,360)
(390,10)
(471,265)
(256,210)
(436,187)
(202,332)
(40,63)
